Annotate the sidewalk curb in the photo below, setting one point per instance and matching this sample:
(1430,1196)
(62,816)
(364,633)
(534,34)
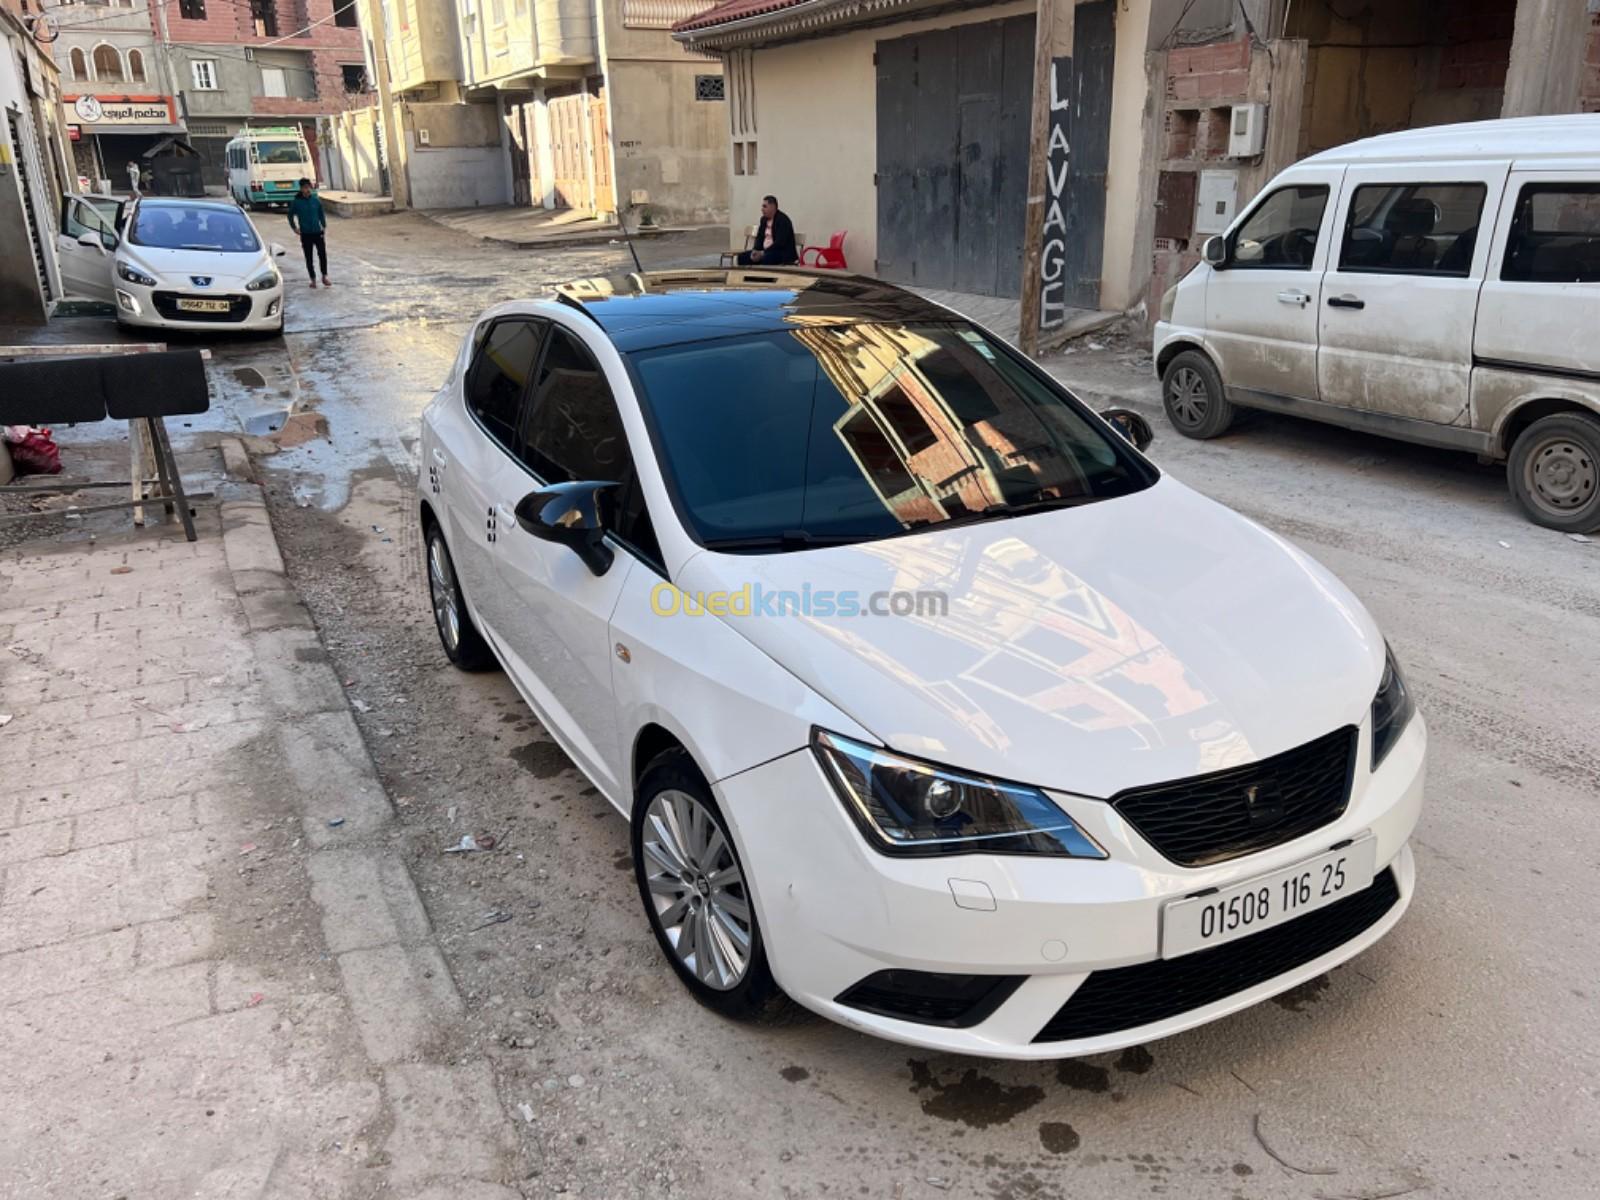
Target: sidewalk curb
(586,238)
(402,999)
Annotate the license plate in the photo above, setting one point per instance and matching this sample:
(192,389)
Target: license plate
(1200,922)
(186,305)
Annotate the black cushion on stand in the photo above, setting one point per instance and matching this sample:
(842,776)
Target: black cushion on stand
(166,383)
(51,391)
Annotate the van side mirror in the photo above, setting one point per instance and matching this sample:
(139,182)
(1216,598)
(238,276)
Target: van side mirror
(93,241)
(1215,251)
(571,515)
(1130,425)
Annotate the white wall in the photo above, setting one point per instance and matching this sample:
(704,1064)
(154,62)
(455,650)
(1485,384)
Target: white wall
(816,132)
(455,176)
(1124,274)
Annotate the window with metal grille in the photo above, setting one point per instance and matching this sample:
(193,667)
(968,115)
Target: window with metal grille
(709,87)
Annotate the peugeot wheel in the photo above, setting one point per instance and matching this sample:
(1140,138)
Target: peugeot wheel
(1191,392)
(462,642)
(1554,472)
(696,895)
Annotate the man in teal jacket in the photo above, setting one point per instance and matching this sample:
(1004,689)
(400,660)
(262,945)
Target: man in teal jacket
(306,219)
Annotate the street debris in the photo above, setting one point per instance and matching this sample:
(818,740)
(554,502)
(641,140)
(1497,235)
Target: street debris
(335,822)
(1579,537)
(5,719)
(468,844)
(360,705)
(122,570)
(1505,545)
(575,1080)
(451,814)
(526,1110)
(255,999)
(247,848)
(493,917)
(377,529)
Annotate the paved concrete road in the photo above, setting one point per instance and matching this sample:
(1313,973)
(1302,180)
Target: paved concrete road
(1460,1057)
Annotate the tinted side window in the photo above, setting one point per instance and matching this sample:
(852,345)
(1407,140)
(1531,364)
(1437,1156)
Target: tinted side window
(1412,228)
(1555,234)
(571,430)
(1282,234)
(500,372)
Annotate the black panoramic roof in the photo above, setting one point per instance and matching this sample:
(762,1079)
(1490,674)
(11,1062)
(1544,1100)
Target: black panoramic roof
(659,308)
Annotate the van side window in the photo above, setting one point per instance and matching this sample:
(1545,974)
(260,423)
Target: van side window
(1281,234)
(1412,228)
(1555,234)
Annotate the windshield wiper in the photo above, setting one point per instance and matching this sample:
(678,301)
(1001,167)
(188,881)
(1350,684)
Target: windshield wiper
(1019,509)
(789,539)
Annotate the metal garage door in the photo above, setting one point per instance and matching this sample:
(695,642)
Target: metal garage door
(952,176)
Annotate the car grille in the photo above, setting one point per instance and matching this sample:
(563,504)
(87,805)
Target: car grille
(167,305)
(1212,818)
(1128,997)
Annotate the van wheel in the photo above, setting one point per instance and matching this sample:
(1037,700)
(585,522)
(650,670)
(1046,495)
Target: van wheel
(1554,472)
(1191,392)
(696,895)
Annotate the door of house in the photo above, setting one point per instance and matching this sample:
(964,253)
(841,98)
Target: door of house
(952,177)
(569,149)
(1086,84)
(516,122)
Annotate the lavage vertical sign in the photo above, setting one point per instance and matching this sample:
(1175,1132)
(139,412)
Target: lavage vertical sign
(1058,154)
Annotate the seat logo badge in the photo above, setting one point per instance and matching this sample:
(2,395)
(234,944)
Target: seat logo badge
(201,280)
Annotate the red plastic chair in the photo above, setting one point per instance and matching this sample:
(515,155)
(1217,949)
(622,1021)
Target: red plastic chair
(830,257)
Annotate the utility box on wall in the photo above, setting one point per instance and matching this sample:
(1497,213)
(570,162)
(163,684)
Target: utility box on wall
(1247,133)
(1218,197)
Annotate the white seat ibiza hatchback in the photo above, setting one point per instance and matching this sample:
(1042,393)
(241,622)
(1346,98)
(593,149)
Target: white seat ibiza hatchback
(932,703)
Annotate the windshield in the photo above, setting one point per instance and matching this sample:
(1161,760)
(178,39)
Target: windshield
(181,227)
(858,432)
(280,153)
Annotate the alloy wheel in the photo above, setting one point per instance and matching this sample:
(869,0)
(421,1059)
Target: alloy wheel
(1186,395)
(442,590)
(697,889)
(1561,475)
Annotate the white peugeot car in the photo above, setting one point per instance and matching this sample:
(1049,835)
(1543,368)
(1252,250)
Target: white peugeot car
(933,704)
(173,263)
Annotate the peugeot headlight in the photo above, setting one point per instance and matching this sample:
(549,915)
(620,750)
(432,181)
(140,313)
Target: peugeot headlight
(126,270)
(264,282)
(1391,709)
(908,807)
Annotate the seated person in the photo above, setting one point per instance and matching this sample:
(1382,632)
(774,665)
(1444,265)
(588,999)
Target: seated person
(774,245)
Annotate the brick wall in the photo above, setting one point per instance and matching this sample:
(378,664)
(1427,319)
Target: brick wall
(1477,44)
(1218,71)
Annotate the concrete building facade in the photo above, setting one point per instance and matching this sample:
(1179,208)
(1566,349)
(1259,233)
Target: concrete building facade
(261,62)
(923,129)
(562,104)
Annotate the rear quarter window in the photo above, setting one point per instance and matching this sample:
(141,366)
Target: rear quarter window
(1555,234)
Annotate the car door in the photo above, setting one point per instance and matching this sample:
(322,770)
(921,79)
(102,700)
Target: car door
(1261,303)
(560,643)
(1540,303)
(474,459)
(1400,298)
(86,271)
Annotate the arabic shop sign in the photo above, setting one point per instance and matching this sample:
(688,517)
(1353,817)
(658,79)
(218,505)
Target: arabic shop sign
(107,112)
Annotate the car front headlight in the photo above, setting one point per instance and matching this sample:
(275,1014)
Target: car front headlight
(904,806)
(1392,708)
(264,282)
(126,270)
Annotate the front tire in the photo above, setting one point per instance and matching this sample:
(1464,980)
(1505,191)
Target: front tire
(695,895)
(463,644)
(1191,392)
(1554,472)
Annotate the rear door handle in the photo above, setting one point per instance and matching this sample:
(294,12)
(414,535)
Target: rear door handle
(1294,297)
(1346,302)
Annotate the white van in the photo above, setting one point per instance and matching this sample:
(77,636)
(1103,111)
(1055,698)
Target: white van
(265,166)
(1438,285)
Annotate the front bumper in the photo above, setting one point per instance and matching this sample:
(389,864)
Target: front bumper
(156,308)
(833,911)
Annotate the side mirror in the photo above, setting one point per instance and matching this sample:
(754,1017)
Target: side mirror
(572,515)
(93,241)
(277,249)
(1130,425)
(1215,251)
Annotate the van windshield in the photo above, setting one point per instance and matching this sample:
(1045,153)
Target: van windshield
(858,432)
(279,153)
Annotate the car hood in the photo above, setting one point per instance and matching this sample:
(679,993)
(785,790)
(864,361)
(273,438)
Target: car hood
(175,267)
(1127,642)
